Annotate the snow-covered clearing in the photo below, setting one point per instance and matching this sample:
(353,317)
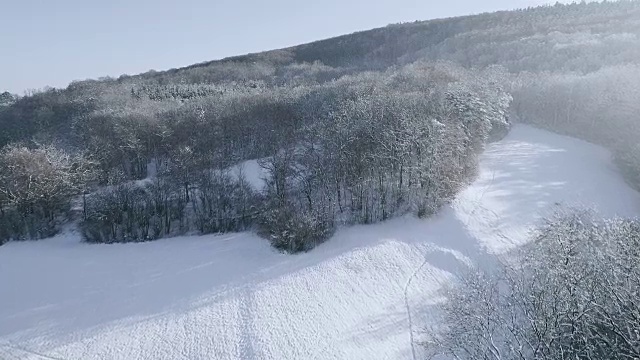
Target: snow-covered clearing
(253,173)
(233,297)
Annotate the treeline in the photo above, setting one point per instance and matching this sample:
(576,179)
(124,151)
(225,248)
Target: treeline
(579,38)
(360,149)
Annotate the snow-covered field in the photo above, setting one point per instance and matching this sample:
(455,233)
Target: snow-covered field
(233,297)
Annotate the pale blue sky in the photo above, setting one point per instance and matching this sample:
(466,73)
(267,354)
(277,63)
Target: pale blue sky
(52,42)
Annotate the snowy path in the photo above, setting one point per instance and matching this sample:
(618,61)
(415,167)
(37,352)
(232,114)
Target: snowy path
(232,297)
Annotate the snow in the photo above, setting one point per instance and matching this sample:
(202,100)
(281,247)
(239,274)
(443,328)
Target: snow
(254,174)
(233,297)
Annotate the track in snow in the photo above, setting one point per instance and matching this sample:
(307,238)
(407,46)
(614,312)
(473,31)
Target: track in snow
(232,297)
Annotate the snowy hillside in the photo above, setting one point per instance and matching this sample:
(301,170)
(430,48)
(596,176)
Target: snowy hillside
(233,297)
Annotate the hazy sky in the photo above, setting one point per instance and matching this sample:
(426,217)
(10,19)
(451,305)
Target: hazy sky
(52,42)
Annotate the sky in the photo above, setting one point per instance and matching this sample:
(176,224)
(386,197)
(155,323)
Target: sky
(52,42)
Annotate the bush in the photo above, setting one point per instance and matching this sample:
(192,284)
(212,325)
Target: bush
(29,224)
(291,230)
(18,225)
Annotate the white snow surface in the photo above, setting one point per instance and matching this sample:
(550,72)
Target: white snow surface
(233,297)
(253,173)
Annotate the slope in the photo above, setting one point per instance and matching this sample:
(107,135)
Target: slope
(233,297)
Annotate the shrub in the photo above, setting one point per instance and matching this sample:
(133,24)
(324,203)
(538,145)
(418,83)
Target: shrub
(292,230)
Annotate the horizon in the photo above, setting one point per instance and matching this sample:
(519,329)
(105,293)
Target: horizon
(67,41)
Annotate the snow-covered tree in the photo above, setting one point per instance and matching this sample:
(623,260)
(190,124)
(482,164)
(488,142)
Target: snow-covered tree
(36,187)
(573,293)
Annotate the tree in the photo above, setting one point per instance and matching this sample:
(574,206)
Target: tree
(574,293)
(37,185)
(6,99)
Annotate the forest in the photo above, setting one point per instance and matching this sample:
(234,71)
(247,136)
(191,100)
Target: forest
(351,130)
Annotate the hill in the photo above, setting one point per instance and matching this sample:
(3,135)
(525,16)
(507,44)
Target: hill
(577,38)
